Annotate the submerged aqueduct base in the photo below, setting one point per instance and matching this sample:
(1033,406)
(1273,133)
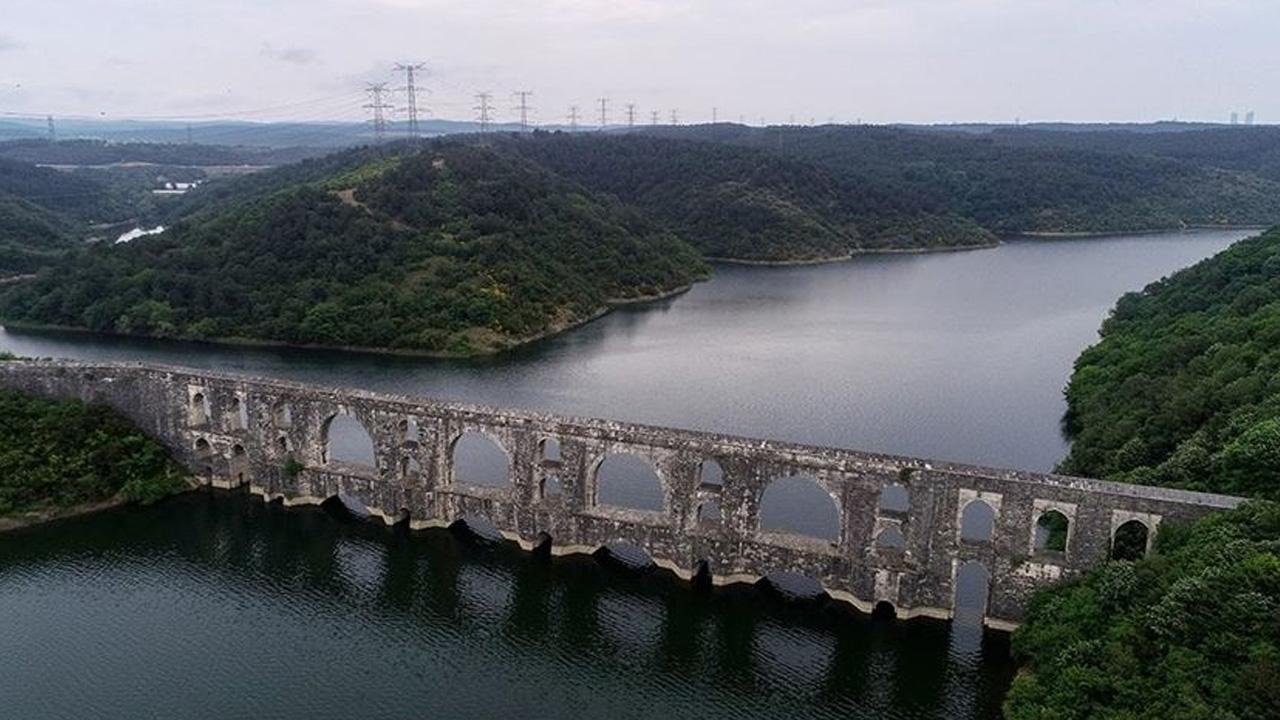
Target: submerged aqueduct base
(273,437)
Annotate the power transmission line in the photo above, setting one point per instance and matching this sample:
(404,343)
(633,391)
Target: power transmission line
(675,117)
(653,117)
(411,91)
(604,112)
(482,109)
(631,115)
(377,106)
(524,108)
(573,118)
(715,115)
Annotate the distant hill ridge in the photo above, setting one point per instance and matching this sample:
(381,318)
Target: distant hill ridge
(479,243)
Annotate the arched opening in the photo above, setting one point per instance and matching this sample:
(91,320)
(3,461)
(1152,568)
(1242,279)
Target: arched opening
(884,610)
(894,498)
(626,556)
(282,443)
(409,430)
(977,522)
(709,513)
(891,538)
(551,487)
(402,518)
(1051,532)
(973,582)
(710,474)
(204,457)
(478,460)
(478,528)
(198,411)
(346,441)
(410,467)
(793,586)
(626,480)
(239,464)
(282,415)
(1130,541)
(549,450)
(800,505)
(346,507)
(237,415)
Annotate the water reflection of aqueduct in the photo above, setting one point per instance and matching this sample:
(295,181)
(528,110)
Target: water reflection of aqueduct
(871,528)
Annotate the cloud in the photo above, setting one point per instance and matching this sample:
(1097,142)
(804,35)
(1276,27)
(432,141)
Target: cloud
(7,43)
(295,55)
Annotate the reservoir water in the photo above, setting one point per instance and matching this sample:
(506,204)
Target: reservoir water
(950,356)
(220,606)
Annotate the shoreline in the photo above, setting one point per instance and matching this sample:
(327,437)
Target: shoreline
(36,518)
(23,520)
(1087,234)
(852,255)
(518,343)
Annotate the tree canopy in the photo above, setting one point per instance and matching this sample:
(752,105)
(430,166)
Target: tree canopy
(1183,388)
(60,454)
(450,249)
(1012,188)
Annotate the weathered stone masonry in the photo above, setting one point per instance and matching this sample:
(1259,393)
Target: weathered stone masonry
(272,436)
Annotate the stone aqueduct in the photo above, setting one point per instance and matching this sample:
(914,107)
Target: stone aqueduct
(272,437)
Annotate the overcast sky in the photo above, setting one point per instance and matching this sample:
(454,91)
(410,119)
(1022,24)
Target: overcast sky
(879,60)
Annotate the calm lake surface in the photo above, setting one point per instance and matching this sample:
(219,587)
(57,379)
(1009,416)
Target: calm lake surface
(949,356)
(220,606)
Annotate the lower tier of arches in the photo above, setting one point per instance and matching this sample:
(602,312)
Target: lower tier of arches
(696,572)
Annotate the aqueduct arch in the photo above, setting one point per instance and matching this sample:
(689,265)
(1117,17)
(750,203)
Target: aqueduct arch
(899,523)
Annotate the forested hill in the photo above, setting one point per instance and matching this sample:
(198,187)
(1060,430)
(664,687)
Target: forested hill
(1249,149)
(745,204)
(449,249)
(1183,389)
(44,212)
(1011,189)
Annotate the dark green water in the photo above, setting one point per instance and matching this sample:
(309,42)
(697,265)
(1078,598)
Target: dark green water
(217,606)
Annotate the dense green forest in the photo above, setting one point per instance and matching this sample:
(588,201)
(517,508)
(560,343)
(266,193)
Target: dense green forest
(1181,391)
(1011,189)
(58,455)
(1183,388)
(1249,149)
(1191,633)
(746,204)
(449,249)
(733,192)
